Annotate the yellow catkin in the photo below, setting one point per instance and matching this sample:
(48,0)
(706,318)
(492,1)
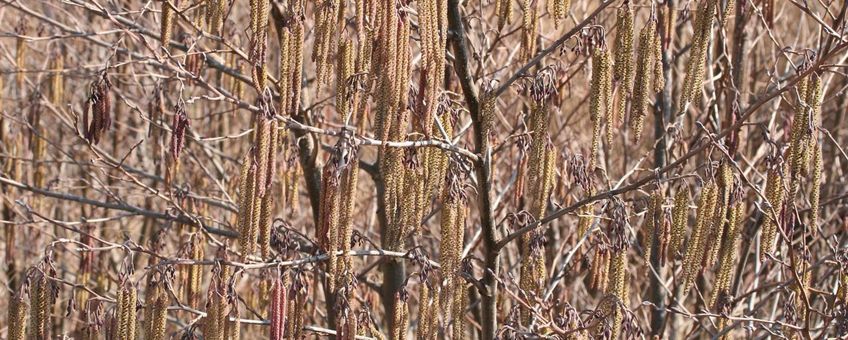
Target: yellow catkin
(193,273)
(530,28)
(642,83)
(20,60)
(232,327)
(347,205)
(680,217)
(247,231)
(503,9)
(344,72)
(774,195)
(659,76)
(156,311)
(725,187)
(624,66)
(57,80)
(267,209)
(167,24)
(400,314)
(697,241)
(127,318)
(17,317)
(558,9)
(815,191)
(460,305)
(599,102)
(329,219)
(696,67)
(425,312)
(618,288)
(729,252)
(41,303)
(284,81)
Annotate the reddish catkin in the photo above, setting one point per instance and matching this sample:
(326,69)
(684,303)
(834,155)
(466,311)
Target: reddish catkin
(599,270)
(277,312)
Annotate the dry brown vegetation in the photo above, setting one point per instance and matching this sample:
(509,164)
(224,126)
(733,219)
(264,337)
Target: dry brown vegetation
(430,169)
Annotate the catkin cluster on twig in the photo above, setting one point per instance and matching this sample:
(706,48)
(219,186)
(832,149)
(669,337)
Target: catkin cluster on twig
(698,240)
(648,71)
(127,318)
(623,67)
(157,300)
(98,110)
(696,67)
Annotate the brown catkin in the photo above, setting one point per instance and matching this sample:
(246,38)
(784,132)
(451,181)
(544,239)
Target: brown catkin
(653,223)
(16,322)
(680,217)
(696,67)
(599,270)
(774,195)
(599,102)
(697,241)
(642,83)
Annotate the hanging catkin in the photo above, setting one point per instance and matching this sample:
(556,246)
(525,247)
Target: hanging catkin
(815,191)
(599,102)
(642,83)
(156,310)
(728,253)
(695,249)
(17,317)
(774,195)
(680,218)
(623,68)
(530,29)
(127,318)
(696,67)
